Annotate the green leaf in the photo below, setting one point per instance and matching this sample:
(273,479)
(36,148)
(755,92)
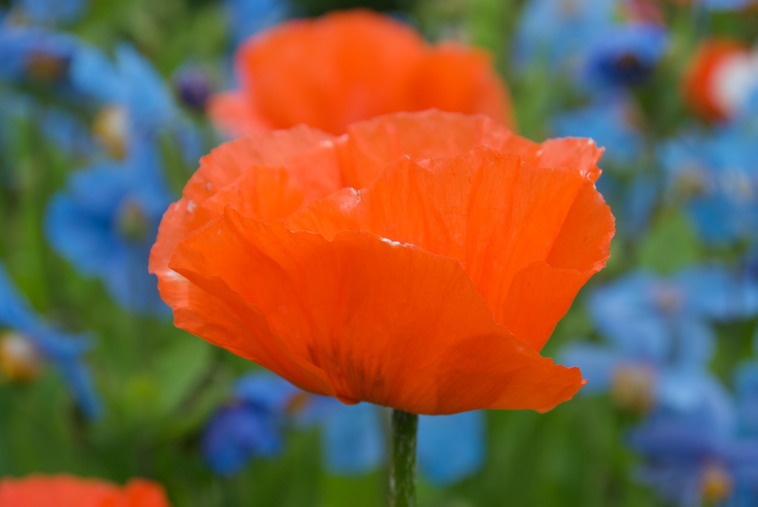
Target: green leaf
(671,244)
(179,369)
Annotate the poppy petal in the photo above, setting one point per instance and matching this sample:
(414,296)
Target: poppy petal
(699,86)
(330,72)
(528,237)
(456,78)
(576,154)
(541,293)
(351,66)
(371,145)
(235,116)
(70,491)
(420,307)
(210,309)
(248,173)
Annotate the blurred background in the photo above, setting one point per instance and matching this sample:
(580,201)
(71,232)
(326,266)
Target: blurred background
(102,121)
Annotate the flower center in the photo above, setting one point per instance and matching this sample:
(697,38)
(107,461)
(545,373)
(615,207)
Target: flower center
(668,298)
(193,88)
(19,359)
(691,182)
(630,69)
(132,222)
(632,388)
(110,129)
(46,67)
(715,483)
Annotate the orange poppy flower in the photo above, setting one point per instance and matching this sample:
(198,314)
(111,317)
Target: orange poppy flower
(352,66)
(69,491)
(419,261)
(712,84)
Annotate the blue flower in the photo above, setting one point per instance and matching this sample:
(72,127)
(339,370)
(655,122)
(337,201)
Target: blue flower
(53,11)
(353,438)
(136,105)
(107,219)
(560,32)
(715,174)
(63,351)
(725,5)
(659,333)
(251,425)
(625,55)
(450,448)
(67,132)
(105,223)
(746,384)
(697,455)
(131,84)
(193,87)
(609,120)
(31,53)
(668,319)
(236,434)
(633,198)
(248,17)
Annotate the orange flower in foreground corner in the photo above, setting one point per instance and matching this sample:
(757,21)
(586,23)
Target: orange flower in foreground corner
(352,66)
(419,261)
(69,491)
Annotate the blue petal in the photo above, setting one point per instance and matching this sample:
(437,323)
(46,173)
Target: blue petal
(597,363)
(451,447)
(129,282)
(146,97)
(93,74)
(608,122)
(715,292)
(548,31)
(608,58)
(725,5)
(625,312)
(353,439)
(248,17)
(53,11)
(15,312)
(67,132)
(692,342)
(236,435)
(696,391)
(147,182)
(746,383)
(19,44)
(63,351)
(84,239)
(76,375)
(266,391)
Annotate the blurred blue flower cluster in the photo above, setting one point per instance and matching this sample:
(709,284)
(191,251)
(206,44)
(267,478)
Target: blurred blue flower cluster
(658,347)
(26,340)
(698,441)
(353,438)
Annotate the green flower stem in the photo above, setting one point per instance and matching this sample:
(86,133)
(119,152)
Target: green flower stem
(403,459)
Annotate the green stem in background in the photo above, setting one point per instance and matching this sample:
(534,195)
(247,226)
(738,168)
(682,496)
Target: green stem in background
(403,459)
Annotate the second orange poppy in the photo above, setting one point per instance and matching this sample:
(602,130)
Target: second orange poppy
(352,66)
